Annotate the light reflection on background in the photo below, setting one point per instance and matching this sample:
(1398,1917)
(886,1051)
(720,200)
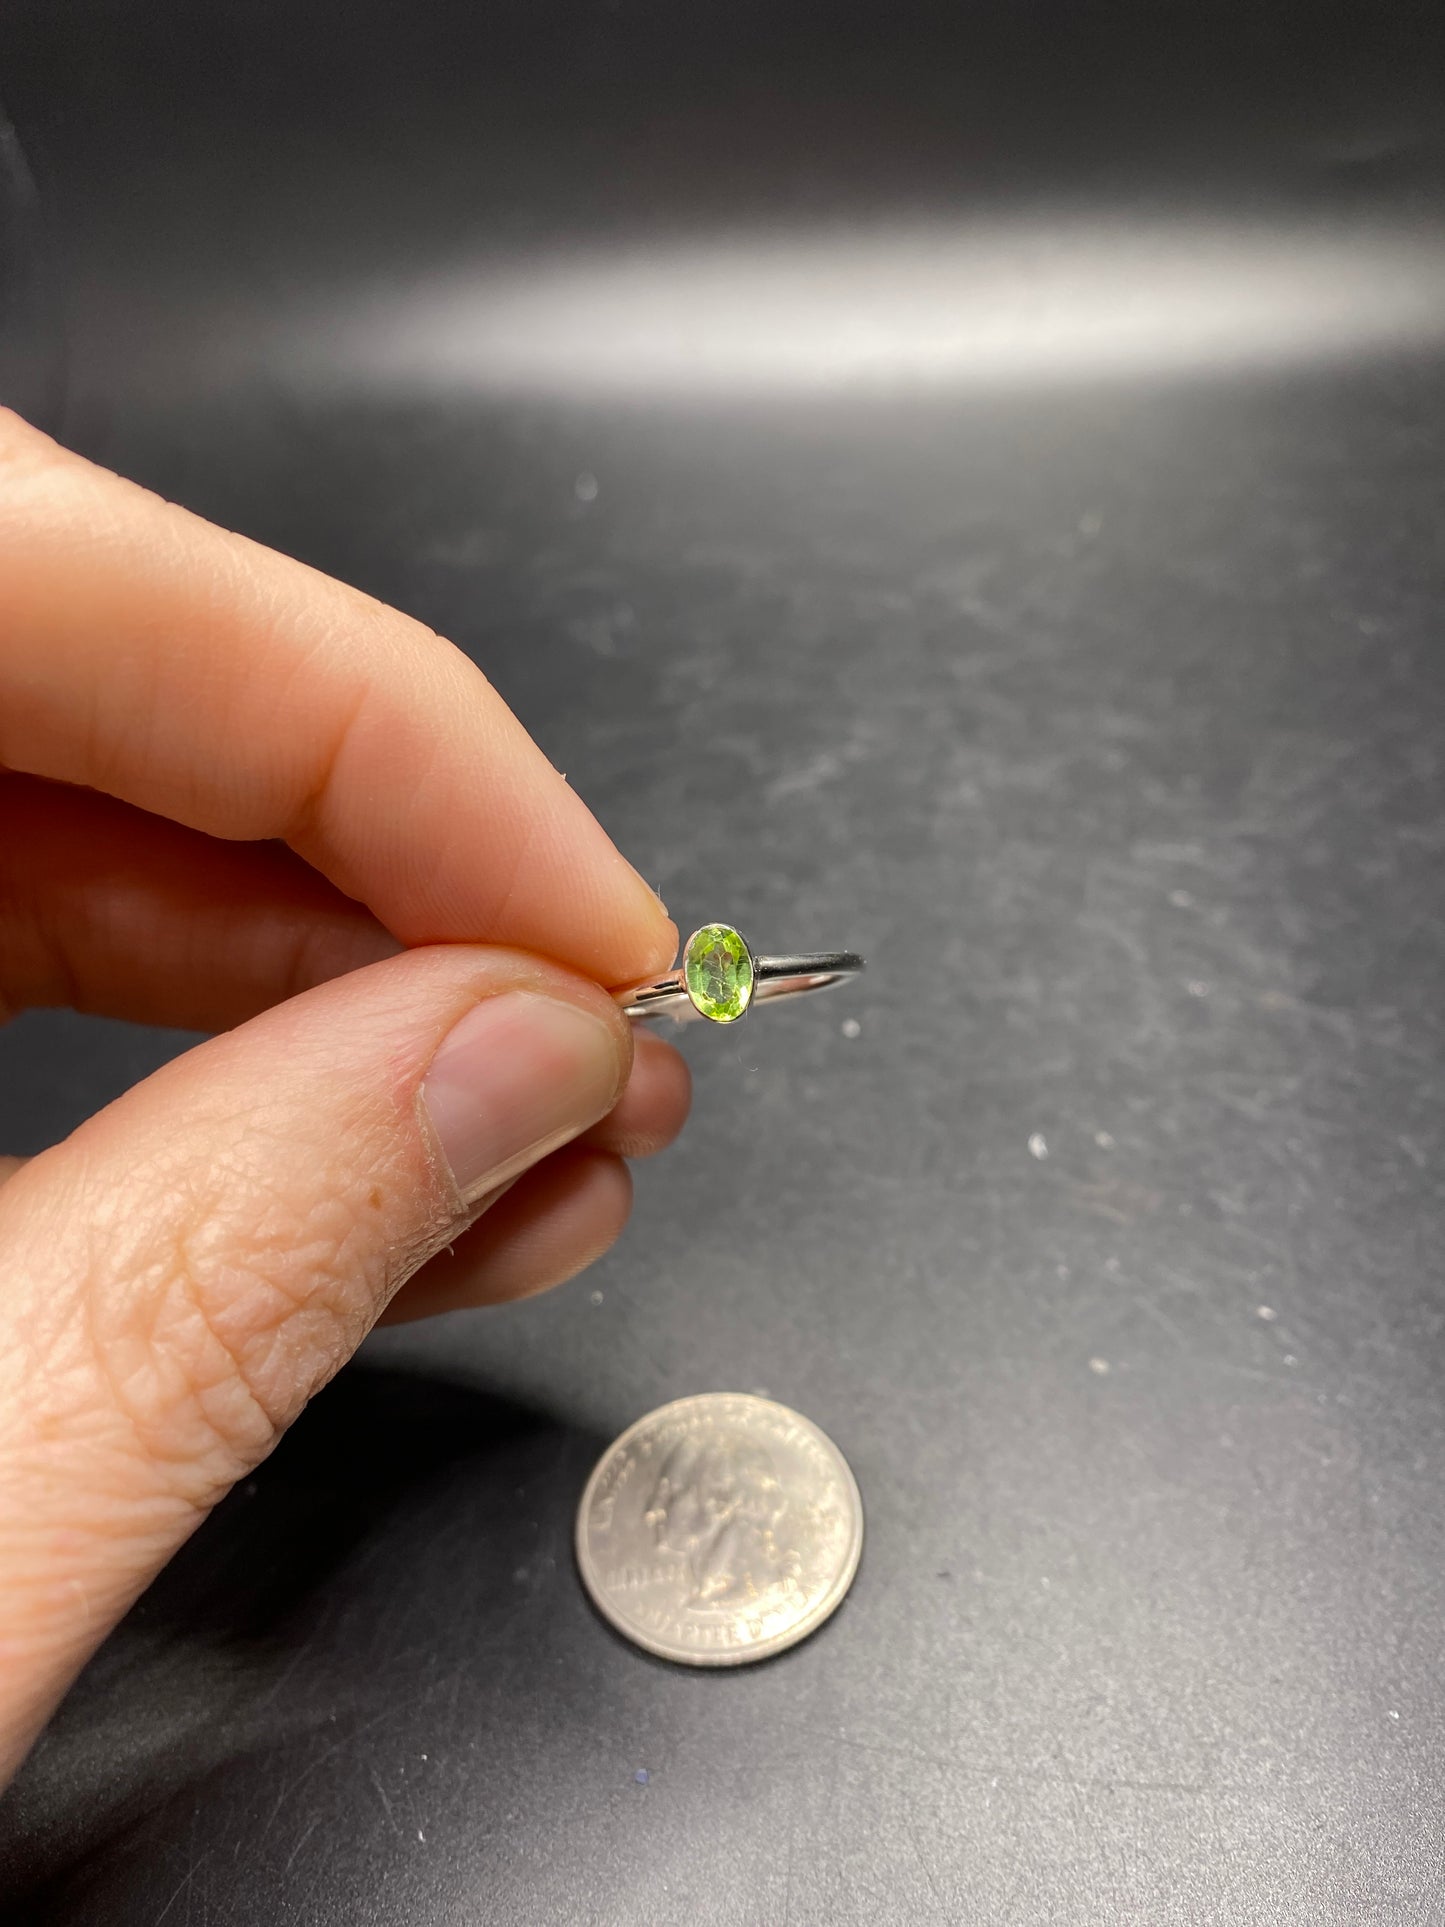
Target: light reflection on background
(982,306)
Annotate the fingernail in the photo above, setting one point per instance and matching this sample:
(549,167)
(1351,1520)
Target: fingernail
(517,1076)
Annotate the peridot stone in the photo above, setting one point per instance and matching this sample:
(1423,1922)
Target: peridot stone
(717,967)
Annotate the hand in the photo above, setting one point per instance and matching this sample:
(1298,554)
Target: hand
(240,797)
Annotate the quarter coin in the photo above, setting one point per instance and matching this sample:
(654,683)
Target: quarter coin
(719,1529)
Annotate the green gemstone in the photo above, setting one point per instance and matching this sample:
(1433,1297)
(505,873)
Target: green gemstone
(717,967)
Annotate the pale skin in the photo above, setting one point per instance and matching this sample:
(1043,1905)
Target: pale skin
(237,796)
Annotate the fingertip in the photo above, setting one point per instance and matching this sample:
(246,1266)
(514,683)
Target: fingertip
(667,940)
(655,1104)
(648,940)
(549,1225)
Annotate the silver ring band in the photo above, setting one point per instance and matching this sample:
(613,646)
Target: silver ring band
(677,994)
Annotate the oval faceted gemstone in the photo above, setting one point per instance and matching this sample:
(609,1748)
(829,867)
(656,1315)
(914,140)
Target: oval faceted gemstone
(717,967)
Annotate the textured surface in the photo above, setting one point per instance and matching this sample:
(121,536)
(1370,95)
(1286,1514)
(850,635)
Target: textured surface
(1100,707)
(719,1530)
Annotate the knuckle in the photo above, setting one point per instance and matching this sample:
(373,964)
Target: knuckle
(235,1310)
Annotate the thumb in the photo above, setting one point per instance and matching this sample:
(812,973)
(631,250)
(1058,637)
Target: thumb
(189,1267)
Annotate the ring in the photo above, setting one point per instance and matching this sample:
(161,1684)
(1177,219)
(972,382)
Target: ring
(720,978)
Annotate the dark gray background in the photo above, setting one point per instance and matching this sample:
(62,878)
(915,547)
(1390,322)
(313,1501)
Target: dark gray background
(1082,668)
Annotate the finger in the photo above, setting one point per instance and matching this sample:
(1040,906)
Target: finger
(108,909)
(187,1268)
(552,1223)
(202,677)
(8,1167)
(654,1107)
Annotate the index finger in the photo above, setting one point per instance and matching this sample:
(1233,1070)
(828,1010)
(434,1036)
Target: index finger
(201,676)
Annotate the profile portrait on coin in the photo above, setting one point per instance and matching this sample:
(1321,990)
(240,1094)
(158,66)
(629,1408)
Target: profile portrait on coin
(719,1505)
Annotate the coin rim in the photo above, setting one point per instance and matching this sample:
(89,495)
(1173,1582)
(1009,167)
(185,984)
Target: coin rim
(766,1648)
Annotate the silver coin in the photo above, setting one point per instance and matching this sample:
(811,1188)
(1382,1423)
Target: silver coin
(719,1529)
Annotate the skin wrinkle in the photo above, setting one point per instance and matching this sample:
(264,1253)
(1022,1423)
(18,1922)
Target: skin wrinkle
(449,852)
(197,1442)
(250,1307)
(202,1351)
(247,1308)
(303,827)
(276,1266)
(193,1262)
(193,1386)
(390,739)
(515,871)
(209,627)
(185,1359)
